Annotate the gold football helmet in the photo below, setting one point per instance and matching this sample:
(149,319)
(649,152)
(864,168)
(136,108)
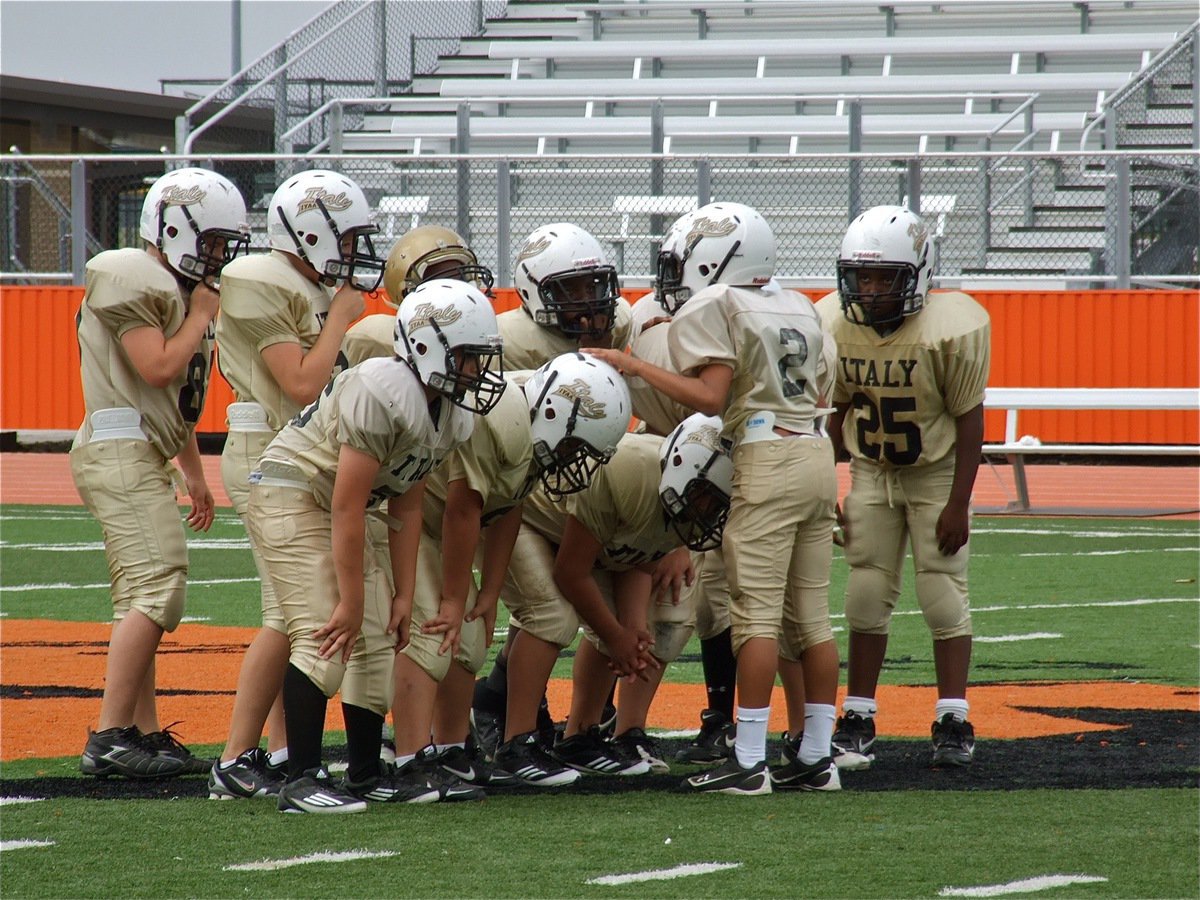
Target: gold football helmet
(427,252)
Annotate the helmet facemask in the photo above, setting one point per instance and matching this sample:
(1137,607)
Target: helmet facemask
(672,293)
(206,263)
(361,256)
(880,308)
(698,515)
(477,392)
(568,467)
(570,297)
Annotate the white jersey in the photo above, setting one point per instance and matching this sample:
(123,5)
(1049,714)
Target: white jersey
(773,342)
(378,408)
(266,301)
(124,290)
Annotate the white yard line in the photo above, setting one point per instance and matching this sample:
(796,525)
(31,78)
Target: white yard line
(13,801)
(62,586)
(1011,638)
(1024,886)
(663,874)
(24,845)
(200,544)
(328,856)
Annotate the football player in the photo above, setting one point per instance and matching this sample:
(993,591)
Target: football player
(615,543)
(589,400)
(283,317)
(759,358)
(373,435)
(909,399)
(570,298)
(146,343)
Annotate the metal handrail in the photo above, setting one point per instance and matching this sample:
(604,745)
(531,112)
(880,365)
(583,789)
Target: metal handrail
(1151,69)
(208,123)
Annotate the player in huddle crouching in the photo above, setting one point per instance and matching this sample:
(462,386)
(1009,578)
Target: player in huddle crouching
(373,435)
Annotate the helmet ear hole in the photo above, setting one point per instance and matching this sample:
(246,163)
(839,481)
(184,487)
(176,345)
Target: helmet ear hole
(702,269)
(171,231)
(311,239)
(550,414)
(420,347)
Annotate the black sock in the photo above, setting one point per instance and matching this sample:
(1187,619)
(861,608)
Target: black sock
(720,671)
(304,714)
(363,739)
(491,694)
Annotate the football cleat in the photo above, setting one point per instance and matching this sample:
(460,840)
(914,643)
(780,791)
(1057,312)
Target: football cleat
(731,778)
(953,742)
(316,792)
(525,760)
(853,739)
(127,752)
(169,746)
(586,752)
(797,776)
(246,776)
(634,744)
(714,743)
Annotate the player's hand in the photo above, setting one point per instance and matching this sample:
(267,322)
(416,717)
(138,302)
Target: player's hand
(448,623)
(630,656)
(623,362)
(400,620)
(840,534)
(347,304)
(337,636)
(953,527)
(670,574)
(484,608)
(204,301)
(200,516)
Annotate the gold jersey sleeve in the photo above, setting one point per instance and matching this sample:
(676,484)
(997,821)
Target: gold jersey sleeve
(379,409)
(494,463)
(660,413)
(368,338)
(906,389)
(124,290)
(772,340)
(621,508)
(265,301)
(528,345)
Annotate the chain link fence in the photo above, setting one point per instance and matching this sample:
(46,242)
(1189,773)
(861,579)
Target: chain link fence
(1099,218)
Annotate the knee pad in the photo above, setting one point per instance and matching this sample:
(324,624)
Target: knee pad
(368,679)
(472,646)
(165,607)
(794,641)
(422,649)
(870,598)
(943,601)
(670,638)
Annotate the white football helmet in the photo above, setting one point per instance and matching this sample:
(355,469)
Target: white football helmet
(578,409)
(721,243)
(184,214)
(444,315)
(428,247)
(893,241)
(312,213)
(562,277)
(697,481)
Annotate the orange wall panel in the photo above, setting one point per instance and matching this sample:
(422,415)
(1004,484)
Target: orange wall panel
(1039,339)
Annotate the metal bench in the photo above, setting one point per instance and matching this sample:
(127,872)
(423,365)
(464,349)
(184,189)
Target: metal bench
(1016,448)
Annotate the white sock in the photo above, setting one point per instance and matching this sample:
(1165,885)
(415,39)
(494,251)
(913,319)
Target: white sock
(862,706)
(956,707)
(818,732)
(751,744)
(278,757)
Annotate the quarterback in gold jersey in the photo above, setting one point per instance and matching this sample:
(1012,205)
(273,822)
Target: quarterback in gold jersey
(912,367)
